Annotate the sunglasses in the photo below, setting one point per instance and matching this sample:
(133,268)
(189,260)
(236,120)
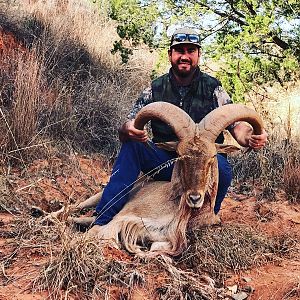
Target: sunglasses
(181,37)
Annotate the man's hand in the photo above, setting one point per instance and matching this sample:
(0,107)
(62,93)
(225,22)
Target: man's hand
(258,141)
(128,132)
(243,134)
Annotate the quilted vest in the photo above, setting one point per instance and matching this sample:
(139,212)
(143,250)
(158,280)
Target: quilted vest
(197,102)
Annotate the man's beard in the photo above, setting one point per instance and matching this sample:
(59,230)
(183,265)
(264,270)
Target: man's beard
(182,72)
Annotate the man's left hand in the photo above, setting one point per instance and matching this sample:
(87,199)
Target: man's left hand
(258,141)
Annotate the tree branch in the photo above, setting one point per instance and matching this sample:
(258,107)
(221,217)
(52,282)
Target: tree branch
(250,8)
(224,14)
(230,2)
(211,32)
(266,53)
(279,42)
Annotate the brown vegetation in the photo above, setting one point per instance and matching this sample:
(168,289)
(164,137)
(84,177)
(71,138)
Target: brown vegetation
(75,90)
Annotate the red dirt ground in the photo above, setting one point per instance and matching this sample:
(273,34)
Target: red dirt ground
(8,42)
(69,179)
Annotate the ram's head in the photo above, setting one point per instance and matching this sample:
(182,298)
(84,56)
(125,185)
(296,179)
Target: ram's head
(196,148)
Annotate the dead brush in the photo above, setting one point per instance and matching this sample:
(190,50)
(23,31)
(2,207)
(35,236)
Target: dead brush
(265,168)
(87,91)
(8,201)
(294,292)
(223,250)
(20,103)
(80,269)
(291,181)
(35,232)
(29,235)
(77,266)
(182,284)
(73,270)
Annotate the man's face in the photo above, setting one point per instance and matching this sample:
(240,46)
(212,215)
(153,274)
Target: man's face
(184,59)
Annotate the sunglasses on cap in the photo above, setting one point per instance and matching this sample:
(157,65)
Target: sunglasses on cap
(182,37)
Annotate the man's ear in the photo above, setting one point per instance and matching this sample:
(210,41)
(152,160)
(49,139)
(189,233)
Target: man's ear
(222,148)
(199,52)
(169,146)
(170,54)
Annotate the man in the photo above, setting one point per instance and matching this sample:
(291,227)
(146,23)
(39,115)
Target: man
(196,93)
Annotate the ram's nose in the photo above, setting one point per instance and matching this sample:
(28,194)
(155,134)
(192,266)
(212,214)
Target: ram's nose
(194,198)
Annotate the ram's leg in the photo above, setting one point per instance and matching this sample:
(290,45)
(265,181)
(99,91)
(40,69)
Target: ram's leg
(65,212)
(83,221)
(90,202)
(62,214)
(106,234)
(164,247)
(156,249)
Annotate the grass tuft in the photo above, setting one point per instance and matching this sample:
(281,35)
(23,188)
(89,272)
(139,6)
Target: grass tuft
(219,251)
(291,179)
(269,169)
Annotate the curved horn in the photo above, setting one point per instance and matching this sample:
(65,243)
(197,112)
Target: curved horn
(217,120)
(182,124)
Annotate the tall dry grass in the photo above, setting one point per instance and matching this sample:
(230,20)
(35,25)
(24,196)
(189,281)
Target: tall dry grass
(81,93)
(21,96)
(275,168)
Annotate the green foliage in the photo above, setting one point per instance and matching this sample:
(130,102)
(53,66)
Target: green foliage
(253,42)
(136,24)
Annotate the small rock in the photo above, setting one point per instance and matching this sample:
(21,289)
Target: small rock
(233,288)
(247,279)
(36,212)
(248,289)
(240,296)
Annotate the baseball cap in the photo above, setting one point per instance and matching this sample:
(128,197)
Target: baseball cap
(185,35)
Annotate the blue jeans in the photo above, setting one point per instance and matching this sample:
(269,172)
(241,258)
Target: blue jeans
(135,157)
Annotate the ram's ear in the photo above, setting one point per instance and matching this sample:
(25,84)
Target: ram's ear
(222,148)
(169,146)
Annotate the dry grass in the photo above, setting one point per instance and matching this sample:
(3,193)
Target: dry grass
(79,262)
(76,266)
(5,204)
(266,168)
(291,179)
(222,250)
(275,167)
(294,292)
(78,93)
(20,119)
(186,284)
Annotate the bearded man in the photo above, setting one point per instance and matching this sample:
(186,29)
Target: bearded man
(197,94)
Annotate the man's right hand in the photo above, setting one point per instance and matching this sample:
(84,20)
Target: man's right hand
(128,132)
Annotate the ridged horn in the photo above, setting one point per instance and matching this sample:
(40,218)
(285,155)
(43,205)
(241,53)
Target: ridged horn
(217,120)
(182,124)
